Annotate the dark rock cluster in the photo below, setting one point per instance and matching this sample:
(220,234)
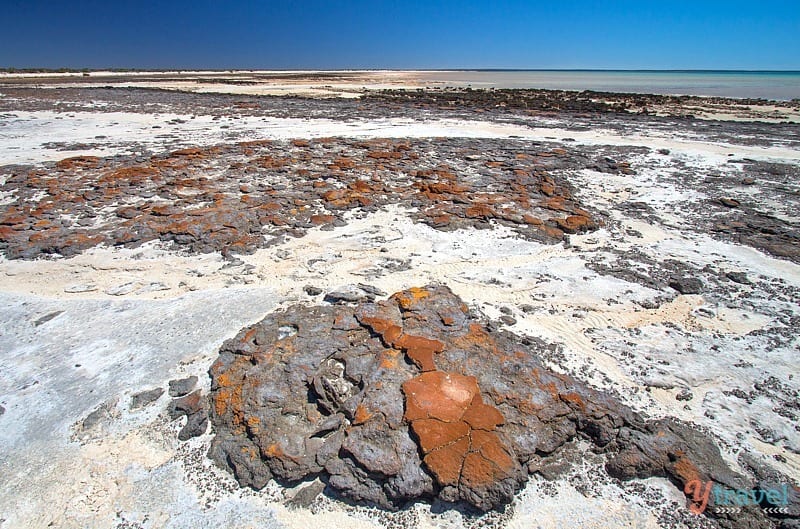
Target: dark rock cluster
(585,101)
(239,197)
(413,398)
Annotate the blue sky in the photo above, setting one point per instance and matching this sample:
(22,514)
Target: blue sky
(623,34)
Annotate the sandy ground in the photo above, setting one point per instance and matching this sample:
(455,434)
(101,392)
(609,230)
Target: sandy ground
(306,83)
(26,137)
(85,333)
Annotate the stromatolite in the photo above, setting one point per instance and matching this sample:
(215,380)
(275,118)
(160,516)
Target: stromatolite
(414,398)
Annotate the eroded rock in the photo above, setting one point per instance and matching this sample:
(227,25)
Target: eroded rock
(193,406)
(413,398)
(182,386)
(144,398)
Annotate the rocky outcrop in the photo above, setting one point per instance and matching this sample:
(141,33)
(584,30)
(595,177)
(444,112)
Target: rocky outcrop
(565,101)
(414,398)
(241,197)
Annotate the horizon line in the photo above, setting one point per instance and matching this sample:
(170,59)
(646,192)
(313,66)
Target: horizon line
(70,69)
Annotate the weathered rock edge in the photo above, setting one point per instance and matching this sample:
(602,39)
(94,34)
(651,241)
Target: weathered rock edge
(329,391)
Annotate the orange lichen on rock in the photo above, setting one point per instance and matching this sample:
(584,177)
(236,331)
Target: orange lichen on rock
(487,462)
(343,401)
(388,330)
(573,398)
(480,211)
(445,463)
(318,220)
(78,162)
(555,203)
(420,350)
(128,175)
(196,152)
(477,336)
(407,298)
(453,426)
(455,430)
(270,162)
(552,232)
(362,415)
(576,224)
(302,178)
(439,395)
(274,450)
(440,188)
(481,416)
(389,359)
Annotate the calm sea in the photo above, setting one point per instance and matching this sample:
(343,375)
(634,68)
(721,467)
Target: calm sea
(743,84)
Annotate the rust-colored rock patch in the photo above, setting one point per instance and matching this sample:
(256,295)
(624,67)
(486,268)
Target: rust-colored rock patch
(454,429)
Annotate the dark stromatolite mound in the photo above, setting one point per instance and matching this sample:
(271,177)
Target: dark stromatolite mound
(413,398)
(241,197)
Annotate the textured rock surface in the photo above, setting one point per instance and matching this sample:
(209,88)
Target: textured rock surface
(143,398)
(193,407)
(413,398)
(182,386)
(237,198)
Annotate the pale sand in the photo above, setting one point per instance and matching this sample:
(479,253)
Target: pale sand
(26,137)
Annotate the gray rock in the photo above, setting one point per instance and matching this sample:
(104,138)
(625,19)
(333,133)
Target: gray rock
(371,290)
(729,202)
(508,320)
(124,289)
(182,386)
(687,285)
(306,494)
(348,294)
(82,287)
(196,425)
(186,405)
(152,287)
(143,398)
(554,469)
(94,424)
(739,277)
(328,400)
(47,317)
(312,290)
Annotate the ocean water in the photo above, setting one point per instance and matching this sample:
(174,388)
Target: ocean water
(782,86)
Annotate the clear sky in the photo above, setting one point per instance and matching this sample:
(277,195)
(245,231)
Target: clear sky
(311,34)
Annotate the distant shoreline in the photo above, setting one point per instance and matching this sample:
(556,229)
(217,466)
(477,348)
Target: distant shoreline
(731,84)
(14,70)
